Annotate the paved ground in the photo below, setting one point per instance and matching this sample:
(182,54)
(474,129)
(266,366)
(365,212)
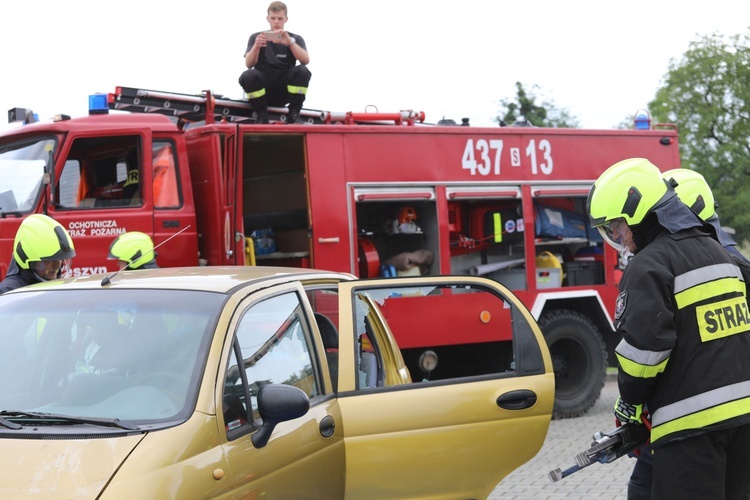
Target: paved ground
(564,439)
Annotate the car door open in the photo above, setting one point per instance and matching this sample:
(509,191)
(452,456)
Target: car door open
(467,424)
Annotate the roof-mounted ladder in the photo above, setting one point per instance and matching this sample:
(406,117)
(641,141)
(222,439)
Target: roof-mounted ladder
(212,109)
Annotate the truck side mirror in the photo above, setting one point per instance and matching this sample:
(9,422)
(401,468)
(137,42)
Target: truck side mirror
(49,177)
(278,403)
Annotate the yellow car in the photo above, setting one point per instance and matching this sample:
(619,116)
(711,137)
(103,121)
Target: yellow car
(258,382)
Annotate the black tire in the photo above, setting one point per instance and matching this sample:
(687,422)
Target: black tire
(579,359)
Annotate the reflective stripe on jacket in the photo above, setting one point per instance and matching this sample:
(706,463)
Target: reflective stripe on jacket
(685,352)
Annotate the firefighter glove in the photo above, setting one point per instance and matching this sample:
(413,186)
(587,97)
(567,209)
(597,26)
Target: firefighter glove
(627,412)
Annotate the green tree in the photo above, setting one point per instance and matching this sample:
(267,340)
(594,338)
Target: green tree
(525,109)
(707,95)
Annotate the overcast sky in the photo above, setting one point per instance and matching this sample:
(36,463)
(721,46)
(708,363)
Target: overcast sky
(599,60)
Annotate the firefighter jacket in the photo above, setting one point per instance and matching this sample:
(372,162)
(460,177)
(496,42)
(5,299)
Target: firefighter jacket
(683,314)
(17,278)
(714,225)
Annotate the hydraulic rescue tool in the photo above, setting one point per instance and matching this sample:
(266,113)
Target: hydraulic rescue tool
(608,447)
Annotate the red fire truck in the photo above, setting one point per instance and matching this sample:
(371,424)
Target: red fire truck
(374,194)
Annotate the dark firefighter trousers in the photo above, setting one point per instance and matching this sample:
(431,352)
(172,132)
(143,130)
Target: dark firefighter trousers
(276,82)
(721,456)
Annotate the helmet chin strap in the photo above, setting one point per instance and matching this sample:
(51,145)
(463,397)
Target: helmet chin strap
(43,279)
(625,253)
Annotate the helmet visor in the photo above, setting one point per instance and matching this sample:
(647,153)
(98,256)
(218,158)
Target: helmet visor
(51,269)
(613,232)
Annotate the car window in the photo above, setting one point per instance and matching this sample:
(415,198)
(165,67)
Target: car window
(324,302)
(135,355)
(443,332)
(272,346)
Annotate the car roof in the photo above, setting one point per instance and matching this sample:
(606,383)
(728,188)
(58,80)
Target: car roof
(222,279)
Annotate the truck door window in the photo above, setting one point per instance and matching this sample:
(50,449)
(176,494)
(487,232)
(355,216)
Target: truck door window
(22,167)
(166,192)
(272,344)
(101,172)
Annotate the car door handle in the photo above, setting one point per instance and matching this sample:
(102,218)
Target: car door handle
(327,426)
(517,400)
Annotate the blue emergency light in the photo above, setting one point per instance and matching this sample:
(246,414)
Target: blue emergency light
(642,120)
(98,104)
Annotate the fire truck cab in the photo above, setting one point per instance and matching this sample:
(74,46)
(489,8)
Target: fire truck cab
(373,194)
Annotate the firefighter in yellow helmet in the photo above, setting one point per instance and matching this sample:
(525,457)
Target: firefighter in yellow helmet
(694,191)
(133,250)
(42,250)
(683,315)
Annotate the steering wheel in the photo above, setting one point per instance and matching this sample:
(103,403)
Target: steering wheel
(173,385)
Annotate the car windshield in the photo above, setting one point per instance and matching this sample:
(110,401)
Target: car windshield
(133,355)
(22,167)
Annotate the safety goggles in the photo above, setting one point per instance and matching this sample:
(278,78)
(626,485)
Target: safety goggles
(612,232)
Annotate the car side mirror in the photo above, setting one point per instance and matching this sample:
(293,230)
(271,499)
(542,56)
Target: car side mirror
(278,403)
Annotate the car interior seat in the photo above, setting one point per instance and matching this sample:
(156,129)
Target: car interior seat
(330,337)
(369,371)
(235,413)
(112,338)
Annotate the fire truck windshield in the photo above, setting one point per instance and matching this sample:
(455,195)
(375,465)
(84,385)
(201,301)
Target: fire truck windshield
(22,166)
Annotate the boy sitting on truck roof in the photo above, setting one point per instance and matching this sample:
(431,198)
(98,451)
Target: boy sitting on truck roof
(273,76)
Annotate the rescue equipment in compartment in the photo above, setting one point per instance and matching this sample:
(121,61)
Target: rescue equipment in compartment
(405,223)
(407,215)
(550,262)
(369,261)
(264,241)
(411,263)
(548,259)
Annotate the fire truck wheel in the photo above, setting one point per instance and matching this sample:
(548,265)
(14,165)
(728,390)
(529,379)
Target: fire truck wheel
(579,359)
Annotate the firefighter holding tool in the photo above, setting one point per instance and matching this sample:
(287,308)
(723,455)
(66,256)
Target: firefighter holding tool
(693,191)
(683,315)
